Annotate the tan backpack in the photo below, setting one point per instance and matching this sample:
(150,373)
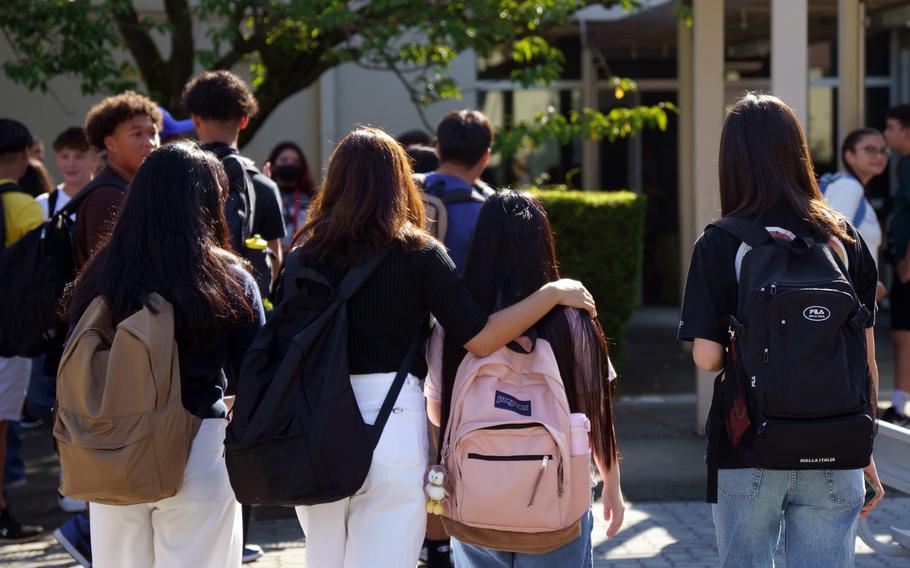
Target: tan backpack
(123,434)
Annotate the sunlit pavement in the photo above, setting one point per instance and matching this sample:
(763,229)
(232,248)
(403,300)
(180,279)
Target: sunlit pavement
(671,535)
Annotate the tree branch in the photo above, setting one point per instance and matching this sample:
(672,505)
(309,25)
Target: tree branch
(144,51)
(240,46)
(180,66)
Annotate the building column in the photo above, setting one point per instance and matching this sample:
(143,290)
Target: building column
(686,122)
(328,136)
(590,149)
(708,116)
(790,55)
(851,72)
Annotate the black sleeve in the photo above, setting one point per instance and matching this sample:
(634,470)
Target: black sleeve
(446,296)
(863,273)
(269,216)
(711,287)
(241,334)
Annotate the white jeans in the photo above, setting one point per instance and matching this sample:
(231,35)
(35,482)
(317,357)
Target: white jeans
(199,527)
(14,376)
(383,524)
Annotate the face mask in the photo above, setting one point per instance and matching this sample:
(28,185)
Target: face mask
(287,173)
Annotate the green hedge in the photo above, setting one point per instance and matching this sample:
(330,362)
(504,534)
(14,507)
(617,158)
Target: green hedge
(599,240)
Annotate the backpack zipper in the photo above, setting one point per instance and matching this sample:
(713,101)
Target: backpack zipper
(540,470)
(519,457)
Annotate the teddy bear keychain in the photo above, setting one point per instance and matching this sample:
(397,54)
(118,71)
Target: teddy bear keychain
(435,489)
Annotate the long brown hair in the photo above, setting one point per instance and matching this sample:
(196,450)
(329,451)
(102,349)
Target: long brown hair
(764,164)
(512,255)
(368,200)
(170,237)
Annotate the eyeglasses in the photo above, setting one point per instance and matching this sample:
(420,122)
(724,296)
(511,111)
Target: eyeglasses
(876,151)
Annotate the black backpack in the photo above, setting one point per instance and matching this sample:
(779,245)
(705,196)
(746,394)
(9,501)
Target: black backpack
(240,212)
(436,200)
(797,391)
(35,270)
(297,436)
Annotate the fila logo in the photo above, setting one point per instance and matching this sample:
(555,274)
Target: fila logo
(816,313)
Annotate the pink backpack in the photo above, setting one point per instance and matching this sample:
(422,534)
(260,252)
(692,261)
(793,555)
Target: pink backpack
(514,485)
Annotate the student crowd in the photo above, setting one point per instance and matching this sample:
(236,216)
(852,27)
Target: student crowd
(324,346)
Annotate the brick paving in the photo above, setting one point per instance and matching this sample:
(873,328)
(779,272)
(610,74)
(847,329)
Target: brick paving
(655,535)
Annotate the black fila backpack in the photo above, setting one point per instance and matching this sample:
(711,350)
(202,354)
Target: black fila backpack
(797,391)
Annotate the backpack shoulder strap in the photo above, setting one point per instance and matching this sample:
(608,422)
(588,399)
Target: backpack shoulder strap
(99,181)
(748,231)
(5,188)
(357,276)
(52,202)
(388,404)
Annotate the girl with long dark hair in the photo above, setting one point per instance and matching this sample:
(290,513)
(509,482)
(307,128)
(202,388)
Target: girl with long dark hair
(287,166)
(370,206)
(171,238)
(766,176)
(512,255)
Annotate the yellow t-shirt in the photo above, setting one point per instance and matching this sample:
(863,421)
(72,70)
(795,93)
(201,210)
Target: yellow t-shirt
(21,214)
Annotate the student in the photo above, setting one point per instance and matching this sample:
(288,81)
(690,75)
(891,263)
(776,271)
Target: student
(126,127)
(179,192)
(463,142)
(514,253)
(369,204)
(423,158)
(864,156)
(21,213)
(897,136)
(287,166)
(77,162)
(221,105)
(766,176)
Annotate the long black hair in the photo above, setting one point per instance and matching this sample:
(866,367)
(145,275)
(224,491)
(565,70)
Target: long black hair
(511,256)
(765,164)
(170,237)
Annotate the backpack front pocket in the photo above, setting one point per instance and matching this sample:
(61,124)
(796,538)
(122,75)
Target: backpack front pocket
(509,480)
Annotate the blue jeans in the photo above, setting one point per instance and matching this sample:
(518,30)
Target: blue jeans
(42,390)
(576,554)
(819,507)
(14,467)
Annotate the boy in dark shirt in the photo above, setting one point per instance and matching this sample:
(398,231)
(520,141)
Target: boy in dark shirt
(126,127)
(221,105)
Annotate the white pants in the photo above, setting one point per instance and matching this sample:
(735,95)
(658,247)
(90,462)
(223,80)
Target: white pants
(199,527)
(383,524)
(14,376)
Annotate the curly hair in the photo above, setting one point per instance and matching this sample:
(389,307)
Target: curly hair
(219,95)
(104,118)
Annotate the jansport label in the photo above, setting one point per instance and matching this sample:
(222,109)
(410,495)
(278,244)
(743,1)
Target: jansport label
(509,402)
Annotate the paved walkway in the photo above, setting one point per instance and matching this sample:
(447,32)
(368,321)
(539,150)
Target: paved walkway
(655,535)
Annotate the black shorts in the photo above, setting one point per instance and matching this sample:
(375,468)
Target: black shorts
(900,304)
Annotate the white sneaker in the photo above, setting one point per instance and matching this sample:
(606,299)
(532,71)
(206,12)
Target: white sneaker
(251,553)
(68,505)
